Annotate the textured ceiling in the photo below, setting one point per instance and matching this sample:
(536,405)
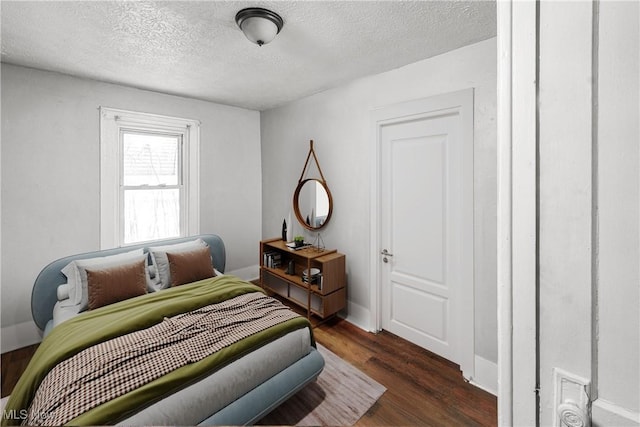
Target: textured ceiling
(195,49)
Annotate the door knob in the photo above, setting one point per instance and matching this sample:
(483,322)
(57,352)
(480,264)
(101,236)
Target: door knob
(385,253)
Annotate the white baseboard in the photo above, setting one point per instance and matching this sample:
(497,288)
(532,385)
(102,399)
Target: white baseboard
(604,413)
(247,273)
(17,336)
(358,315)
(486,375)
(486,371)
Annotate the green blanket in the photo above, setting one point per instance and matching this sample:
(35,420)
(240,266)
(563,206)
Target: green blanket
(99,325)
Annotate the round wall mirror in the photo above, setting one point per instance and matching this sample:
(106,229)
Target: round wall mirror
(312,203)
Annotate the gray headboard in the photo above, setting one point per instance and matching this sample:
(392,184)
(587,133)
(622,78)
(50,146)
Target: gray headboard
(44,293)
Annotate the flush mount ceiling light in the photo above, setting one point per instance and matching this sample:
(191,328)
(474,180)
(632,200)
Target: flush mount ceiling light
(259,25)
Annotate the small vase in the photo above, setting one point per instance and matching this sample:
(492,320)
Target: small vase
(284,230)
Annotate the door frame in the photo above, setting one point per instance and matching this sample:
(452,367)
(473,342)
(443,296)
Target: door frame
(460,103)
(517,254)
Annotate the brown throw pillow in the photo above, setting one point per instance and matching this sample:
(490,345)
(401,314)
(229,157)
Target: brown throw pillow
(191,266)
(112,284)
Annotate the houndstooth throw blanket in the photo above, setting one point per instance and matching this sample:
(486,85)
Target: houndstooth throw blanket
(115,367)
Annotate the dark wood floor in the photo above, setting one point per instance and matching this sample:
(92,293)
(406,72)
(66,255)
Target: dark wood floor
(422,388)
(13,365)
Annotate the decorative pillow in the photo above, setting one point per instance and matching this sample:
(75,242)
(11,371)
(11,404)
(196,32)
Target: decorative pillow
(188,267)
(107,285)
(161,263)
(77,276)
(63,292)
(63,297)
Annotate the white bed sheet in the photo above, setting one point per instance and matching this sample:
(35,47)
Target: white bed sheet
(62,312)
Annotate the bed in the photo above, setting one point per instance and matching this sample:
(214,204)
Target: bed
(255,369)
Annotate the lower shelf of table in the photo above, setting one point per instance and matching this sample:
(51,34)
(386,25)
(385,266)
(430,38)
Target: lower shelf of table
(321,305)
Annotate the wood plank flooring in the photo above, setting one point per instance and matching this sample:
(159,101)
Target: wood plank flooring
(13,365)
(422,388)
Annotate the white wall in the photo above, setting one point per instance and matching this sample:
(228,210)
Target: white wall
(589,205)
(618,345)
(50,173)
(338,120)
(565,220)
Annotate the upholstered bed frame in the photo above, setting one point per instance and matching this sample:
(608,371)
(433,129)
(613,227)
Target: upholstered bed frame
(246,410)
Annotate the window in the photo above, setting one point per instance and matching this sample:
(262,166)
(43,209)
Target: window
(151,186)
(149,177)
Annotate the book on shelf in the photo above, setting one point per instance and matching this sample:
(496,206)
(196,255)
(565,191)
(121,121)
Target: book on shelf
(272,259)
(293,247)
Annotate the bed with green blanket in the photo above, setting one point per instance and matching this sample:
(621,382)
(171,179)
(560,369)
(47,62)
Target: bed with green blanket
(216,351)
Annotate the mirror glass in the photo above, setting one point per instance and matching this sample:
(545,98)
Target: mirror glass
(312,203)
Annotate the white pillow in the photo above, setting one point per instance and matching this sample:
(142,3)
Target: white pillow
(63,292)
(161,262)
(152,278)
(152,271)
(63,298)
(77,275)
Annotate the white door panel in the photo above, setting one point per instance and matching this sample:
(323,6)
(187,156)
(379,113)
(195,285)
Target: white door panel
(424,312)
(420,199)
(417,165)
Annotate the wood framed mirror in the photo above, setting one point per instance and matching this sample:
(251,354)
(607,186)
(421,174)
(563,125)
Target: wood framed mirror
(312,203)
(312,200)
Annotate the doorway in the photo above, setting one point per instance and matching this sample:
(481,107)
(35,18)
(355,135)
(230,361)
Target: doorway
(422,234)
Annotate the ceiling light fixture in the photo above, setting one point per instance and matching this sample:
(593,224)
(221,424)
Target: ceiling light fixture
(259,25)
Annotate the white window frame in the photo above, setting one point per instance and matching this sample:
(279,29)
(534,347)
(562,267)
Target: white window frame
(112,123)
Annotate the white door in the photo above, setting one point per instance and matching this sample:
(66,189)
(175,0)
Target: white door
(426,278)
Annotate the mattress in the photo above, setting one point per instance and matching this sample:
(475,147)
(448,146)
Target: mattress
(196,402)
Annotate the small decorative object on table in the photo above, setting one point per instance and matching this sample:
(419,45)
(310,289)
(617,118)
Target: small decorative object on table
(299,241)
(291,269)
(318,243)
(284,230)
